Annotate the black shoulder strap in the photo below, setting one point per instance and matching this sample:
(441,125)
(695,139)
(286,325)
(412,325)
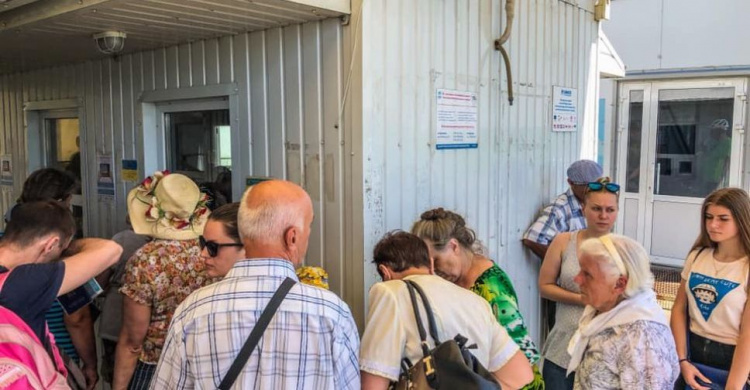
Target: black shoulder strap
(412,287)
(256,334)
(428,309)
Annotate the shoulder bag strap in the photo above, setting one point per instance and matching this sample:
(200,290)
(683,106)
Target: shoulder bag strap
(256,334)
(428,309)
(430,371)
(420,325)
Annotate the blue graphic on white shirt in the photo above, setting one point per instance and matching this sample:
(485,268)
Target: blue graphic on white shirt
(708,292)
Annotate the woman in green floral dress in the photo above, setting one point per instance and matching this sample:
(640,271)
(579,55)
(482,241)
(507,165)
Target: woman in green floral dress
(458,259)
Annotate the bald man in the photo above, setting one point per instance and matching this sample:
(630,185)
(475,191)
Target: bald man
(311,341)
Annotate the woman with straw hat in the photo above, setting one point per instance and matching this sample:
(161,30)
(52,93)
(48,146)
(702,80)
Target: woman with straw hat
(171,209)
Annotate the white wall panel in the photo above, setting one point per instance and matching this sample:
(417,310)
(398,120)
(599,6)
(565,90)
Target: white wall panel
(412,48)
(679,34)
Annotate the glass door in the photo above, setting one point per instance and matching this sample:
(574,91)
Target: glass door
(631,130)
(682,140)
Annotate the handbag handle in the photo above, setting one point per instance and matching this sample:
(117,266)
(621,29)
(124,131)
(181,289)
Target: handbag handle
(411,286)
(256,334)
(428,309)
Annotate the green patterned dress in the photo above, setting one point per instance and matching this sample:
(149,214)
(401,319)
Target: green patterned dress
(496,288)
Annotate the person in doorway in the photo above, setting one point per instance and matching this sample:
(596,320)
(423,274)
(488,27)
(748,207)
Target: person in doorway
(565,214)
(171,209)
(311,341)
(713,156)
(623,339)
(74,165)
(458,258)
(38,234)
(711,317)
(556,279)
(391,332)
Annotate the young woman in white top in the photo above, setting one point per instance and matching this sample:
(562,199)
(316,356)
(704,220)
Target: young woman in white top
(713,293)
(556,283)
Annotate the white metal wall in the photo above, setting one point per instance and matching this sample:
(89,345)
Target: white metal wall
(678,34)
(290,84)
(410,48)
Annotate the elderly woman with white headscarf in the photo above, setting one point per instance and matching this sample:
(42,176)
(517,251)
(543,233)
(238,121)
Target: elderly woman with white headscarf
(623,340)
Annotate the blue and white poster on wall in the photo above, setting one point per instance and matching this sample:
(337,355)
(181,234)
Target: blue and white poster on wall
(456,119)
(564,109)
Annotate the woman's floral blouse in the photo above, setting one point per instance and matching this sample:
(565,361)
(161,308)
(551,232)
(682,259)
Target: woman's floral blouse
(161,275)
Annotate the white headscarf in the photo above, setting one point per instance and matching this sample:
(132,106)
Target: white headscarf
(642,306)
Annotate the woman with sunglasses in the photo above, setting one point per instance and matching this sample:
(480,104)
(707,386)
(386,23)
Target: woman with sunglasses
(710,318)
(220,242)
(560,266)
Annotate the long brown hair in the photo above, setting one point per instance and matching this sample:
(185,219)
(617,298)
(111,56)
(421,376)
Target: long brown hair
(737,202)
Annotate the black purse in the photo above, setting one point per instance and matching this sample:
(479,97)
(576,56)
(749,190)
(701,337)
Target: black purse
(450,365)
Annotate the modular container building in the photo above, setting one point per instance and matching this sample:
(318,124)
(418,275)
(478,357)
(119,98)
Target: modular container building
(339,96)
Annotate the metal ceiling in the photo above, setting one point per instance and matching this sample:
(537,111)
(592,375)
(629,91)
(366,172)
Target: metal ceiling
(42,33)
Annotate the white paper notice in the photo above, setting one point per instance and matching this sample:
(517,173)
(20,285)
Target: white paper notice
(456,120)
(564,109)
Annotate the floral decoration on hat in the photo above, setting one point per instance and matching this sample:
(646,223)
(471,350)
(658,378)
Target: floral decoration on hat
(155,213)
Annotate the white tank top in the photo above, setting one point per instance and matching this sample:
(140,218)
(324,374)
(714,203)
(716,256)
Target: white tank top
(716,293)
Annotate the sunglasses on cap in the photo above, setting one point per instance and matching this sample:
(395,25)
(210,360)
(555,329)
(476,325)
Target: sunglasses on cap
(604,184)
(212,247)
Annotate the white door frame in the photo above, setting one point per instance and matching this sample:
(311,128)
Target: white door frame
(623,136)
(646,196)
(36,140)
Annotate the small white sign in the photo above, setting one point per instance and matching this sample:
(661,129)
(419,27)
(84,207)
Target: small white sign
(564,109)
(6,170)
(456,120)
(105,184)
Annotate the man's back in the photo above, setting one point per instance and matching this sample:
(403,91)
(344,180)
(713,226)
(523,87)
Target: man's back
(311,343)
(391,331)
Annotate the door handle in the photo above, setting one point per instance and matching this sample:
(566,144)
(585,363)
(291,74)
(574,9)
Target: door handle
(658,178)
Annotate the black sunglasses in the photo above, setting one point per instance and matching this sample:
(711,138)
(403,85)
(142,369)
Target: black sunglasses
(213,247)
(598,186)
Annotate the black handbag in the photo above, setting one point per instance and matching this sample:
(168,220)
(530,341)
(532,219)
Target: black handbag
(450,365)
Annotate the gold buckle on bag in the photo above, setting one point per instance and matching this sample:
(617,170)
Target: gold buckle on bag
(428,368)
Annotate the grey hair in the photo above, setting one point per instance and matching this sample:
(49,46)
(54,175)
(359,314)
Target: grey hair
(633,256)
(268,221)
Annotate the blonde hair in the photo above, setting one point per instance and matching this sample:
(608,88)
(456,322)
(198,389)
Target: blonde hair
(632,255)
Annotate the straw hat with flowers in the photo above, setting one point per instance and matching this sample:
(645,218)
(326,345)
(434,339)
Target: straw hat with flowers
(168,206)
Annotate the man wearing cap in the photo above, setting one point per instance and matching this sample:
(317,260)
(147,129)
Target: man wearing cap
(310,341)
(565,214)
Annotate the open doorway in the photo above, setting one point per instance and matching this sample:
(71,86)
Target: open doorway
(61,150)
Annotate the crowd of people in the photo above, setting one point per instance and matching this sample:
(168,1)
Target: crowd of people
(204,293)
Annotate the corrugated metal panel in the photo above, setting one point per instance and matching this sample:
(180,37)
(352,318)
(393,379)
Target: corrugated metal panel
(412,48)
(290,83)
(44,34)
